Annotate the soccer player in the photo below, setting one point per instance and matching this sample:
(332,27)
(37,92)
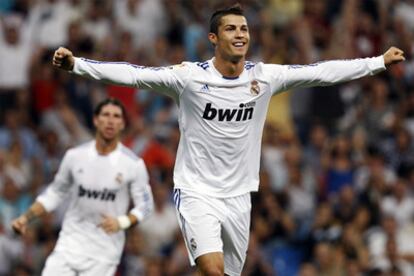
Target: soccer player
(98,178)
(222,109)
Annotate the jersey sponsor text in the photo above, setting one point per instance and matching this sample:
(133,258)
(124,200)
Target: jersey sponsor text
(105,195)
(245,112)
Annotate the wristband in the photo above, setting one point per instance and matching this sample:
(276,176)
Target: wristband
(124,222)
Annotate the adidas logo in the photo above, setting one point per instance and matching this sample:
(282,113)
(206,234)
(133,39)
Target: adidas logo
(205,88)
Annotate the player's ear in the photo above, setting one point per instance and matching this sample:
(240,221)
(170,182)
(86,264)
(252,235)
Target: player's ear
(213,38)
(95,121)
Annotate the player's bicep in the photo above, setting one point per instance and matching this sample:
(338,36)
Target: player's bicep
(166,80)
(59,189)
(285,77)
(169,81)
(321,73)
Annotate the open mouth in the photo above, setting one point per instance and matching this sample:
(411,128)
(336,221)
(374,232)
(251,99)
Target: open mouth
(239,44)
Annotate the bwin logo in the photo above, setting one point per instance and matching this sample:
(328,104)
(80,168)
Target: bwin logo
(244,113)
(105,195)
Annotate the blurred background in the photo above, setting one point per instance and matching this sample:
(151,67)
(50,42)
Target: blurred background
(337,174)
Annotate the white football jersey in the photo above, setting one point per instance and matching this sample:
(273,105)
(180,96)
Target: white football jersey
(96,185)
(221,119)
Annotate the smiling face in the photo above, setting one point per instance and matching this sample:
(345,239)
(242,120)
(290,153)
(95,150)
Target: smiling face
(232,38)
(109,122)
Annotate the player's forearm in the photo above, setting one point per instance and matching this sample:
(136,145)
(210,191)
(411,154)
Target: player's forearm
(119,73)
(345,70)
(35,211)
(133,219)
(332,72)
(141,211)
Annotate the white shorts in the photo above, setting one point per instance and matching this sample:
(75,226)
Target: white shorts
(72,264)
(211,224)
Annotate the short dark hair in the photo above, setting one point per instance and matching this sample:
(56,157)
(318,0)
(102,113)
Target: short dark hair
(218,14)
(112,101)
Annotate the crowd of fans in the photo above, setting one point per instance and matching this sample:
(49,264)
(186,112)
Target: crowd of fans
(337,174)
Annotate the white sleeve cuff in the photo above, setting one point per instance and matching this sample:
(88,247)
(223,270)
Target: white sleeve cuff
(138,214)
(76,69)
(376,64)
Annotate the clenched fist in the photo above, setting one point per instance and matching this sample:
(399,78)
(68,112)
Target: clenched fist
(63,59)
(393,55)
(109,224)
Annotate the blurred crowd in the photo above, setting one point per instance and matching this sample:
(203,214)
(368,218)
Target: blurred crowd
(337,174)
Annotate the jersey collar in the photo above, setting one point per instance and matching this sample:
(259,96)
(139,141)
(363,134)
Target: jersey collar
(113,156)
(216,72)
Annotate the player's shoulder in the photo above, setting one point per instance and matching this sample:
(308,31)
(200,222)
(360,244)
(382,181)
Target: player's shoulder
(201,65)
(183,66)
(129,155)
(268,68)
(81,148)
(190,66)
(249,65)
(189,69)
(78,152)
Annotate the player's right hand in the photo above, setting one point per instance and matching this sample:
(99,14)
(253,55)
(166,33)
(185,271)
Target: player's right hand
(19,225)
(63,59)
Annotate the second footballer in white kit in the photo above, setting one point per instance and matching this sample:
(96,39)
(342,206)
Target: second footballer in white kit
(222,109)
(99,178)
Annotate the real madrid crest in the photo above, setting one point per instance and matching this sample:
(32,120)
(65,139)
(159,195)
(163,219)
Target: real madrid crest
(119,178)
(193,244)
(254,87)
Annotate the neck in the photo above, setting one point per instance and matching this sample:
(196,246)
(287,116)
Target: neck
(229,67)
(104,147)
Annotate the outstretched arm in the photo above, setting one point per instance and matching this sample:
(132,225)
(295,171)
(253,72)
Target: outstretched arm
(168,80)
(109,72)
(46,202)
(330,72)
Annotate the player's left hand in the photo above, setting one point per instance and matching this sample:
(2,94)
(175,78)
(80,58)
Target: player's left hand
(109,224)
(393,55)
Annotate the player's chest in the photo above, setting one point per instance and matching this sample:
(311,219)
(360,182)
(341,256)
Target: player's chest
(100,175)
(228,91)
(238,102)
